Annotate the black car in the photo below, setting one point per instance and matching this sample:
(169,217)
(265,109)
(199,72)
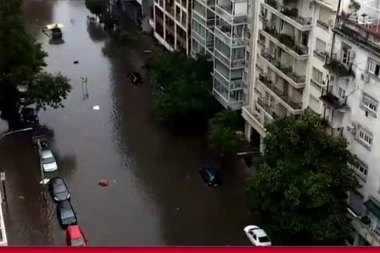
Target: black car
(29,115)
(211,176)
(58,189)
(65,214)
(136,77)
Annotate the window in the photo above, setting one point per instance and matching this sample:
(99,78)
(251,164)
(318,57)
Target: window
(346,54)
(341,93)
(320,46)
(364,137)
(374,67)
(360,168)
(317,76)
(314,104)
(369,104)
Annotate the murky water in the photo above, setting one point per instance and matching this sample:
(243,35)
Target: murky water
(155,196)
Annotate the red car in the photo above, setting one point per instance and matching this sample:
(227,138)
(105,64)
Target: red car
(75,236)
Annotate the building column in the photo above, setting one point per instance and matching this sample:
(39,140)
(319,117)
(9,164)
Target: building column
(262,145)
(247,131)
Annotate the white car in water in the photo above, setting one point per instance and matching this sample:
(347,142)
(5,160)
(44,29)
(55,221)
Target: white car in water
(48,161)
(257,236)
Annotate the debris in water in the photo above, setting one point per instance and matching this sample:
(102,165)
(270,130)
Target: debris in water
(147,51)
(21,197)
(177,209)
(96,107)
(45,181)
(76,62)
(103,182)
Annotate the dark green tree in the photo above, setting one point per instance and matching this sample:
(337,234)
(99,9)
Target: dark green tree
(182,87)
(301,184)
(23,80)
(223,131)
(97,7)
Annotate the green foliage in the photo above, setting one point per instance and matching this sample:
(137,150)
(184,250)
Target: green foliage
(222,131)
(97,7)
(181,87)
(301,183)
(22,79)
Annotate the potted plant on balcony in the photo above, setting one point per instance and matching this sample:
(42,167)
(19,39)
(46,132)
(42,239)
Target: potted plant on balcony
(290,12)
(286,40)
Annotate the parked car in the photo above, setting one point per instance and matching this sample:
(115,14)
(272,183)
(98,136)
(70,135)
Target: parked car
(48,161)
(58,189)
(75,236)
(65,214)
(211,176)
(29,115)
(136,78)
(257,236)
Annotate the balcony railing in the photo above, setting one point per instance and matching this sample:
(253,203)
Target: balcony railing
(286,70)
(333,101)
(221,57)
(227,37)
(338,68)
(287,41)
(290,13)
(264,80)
(226,14)
(366,36)
(267,108)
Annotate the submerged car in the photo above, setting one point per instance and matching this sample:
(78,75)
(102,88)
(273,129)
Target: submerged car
(211,176)
(257,236)
(29,115)
(65,214)
(75,236)
(58,189)
(136,77)
(48,161)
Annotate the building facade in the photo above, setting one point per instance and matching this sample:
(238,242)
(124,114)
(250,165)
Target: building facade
(170,22)
(351,99)
(322,56)
(220,30)
(291,38)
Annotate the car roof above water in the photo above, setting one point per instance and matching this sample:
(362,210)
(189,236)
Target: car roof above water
(46,153)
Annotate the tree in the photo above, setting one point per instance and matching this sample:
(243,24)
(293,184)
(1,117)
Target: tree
(22,79)
(223,130)
(181,88)
(97,7)
(301,183)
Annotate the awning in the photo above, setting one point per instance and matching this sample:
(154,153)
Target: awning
(373,206)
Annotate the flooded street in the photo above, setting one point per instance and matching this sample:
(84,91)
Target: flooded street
(155,196)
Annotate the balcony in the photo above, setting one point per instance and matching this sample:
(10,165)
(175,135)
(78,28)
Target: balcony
(226,14)
(267,109)
(254,119)
(280,95)
(365,35)
(225,34)
(334,102)
(286,43)
(289,15)
(198,38)
(338,68)
(285,72)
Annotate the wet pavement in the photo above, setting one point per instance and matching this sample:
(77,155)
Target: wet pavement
(156,196)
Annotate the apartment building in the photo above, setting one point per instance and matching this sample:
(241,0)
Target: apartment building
(291,38)
(170,22)
(351,99)
(220,30)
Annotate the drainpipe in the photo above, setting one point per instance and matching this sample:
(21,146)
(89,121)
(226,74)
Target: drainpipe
(331,53)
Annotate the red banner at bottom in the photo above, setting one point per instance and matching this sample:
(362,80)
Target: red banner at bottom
(191,249)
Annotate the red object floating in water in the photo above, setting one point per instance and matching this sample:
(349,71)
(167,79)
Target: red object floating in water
(103,182)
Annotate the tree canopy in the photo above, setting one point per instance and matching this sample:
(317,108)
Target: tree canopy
(301,184)
(223,131)
(97,7)
(23,80)
(182,87)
